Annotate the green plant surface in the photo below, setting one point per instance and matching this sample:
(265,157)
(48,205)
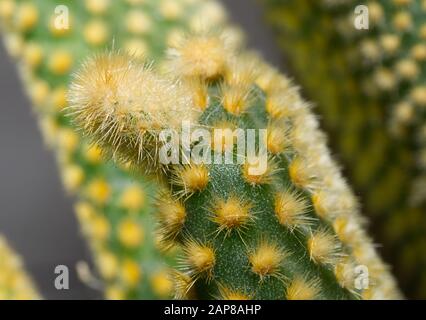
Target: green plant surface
(114,209)
(370,89)
(293,231)
(15,284)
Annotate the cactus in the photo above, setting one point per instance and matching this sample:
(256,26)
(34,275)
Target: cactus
(292,231)
(114,209)
(370,88)
(15,284)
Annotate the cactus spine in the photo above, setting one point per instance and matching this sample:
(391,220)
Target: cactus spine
(292,232)
(113,208)
(370,86)
(14,282)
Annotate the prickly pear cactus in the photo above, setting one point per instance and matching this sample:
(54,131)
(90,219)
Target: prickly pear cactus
(370,86)
(287,228)
(48,39)
(15,284)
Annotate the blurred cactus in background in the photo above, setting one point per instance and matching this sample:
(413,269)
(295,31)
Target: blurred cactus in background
(370,88)
(14,282)
(292,231)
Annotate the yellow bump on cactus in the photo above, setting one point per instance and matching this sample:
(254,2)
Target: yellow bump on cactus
(108,264)
(138,22)
(291,209)
(407,69)
(97,6)
(231,294)
(96,32)
(418,95)
(132,198)
(172,216)
(236,99)
(114,292)
(39,92)
(123,93)
(93,154)
(130,233)
(7,8)
(73,177)
(98,190)
(192,178)
(59,98)
(130,273)
(137,47)
(33,54)
(199,258)
(266,259)
(232,213)
(300,288)
(299,173)
(402,21)
(202,56)
(99,228)
(323,248)
(161,284)
(68,140)
(60,62)
(276,141)
(27,16)
(171,9)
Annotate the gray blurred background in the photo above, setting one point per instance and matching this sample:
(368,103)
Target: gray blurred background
(36,215)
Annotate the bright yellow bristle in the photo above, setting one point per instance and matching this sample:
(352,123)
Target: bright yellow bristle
(323,247)
(266,259)
(131,273)
(201,56)
(231,294)
(192,177)
(231,213)
(277,140)
(236,99)
(113,90)
(299,173)
(302,289)
(132,198)
(199,90)
(172,215)
(182,285)
(130,233)
(199,257)
(137,48)
(291,209)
